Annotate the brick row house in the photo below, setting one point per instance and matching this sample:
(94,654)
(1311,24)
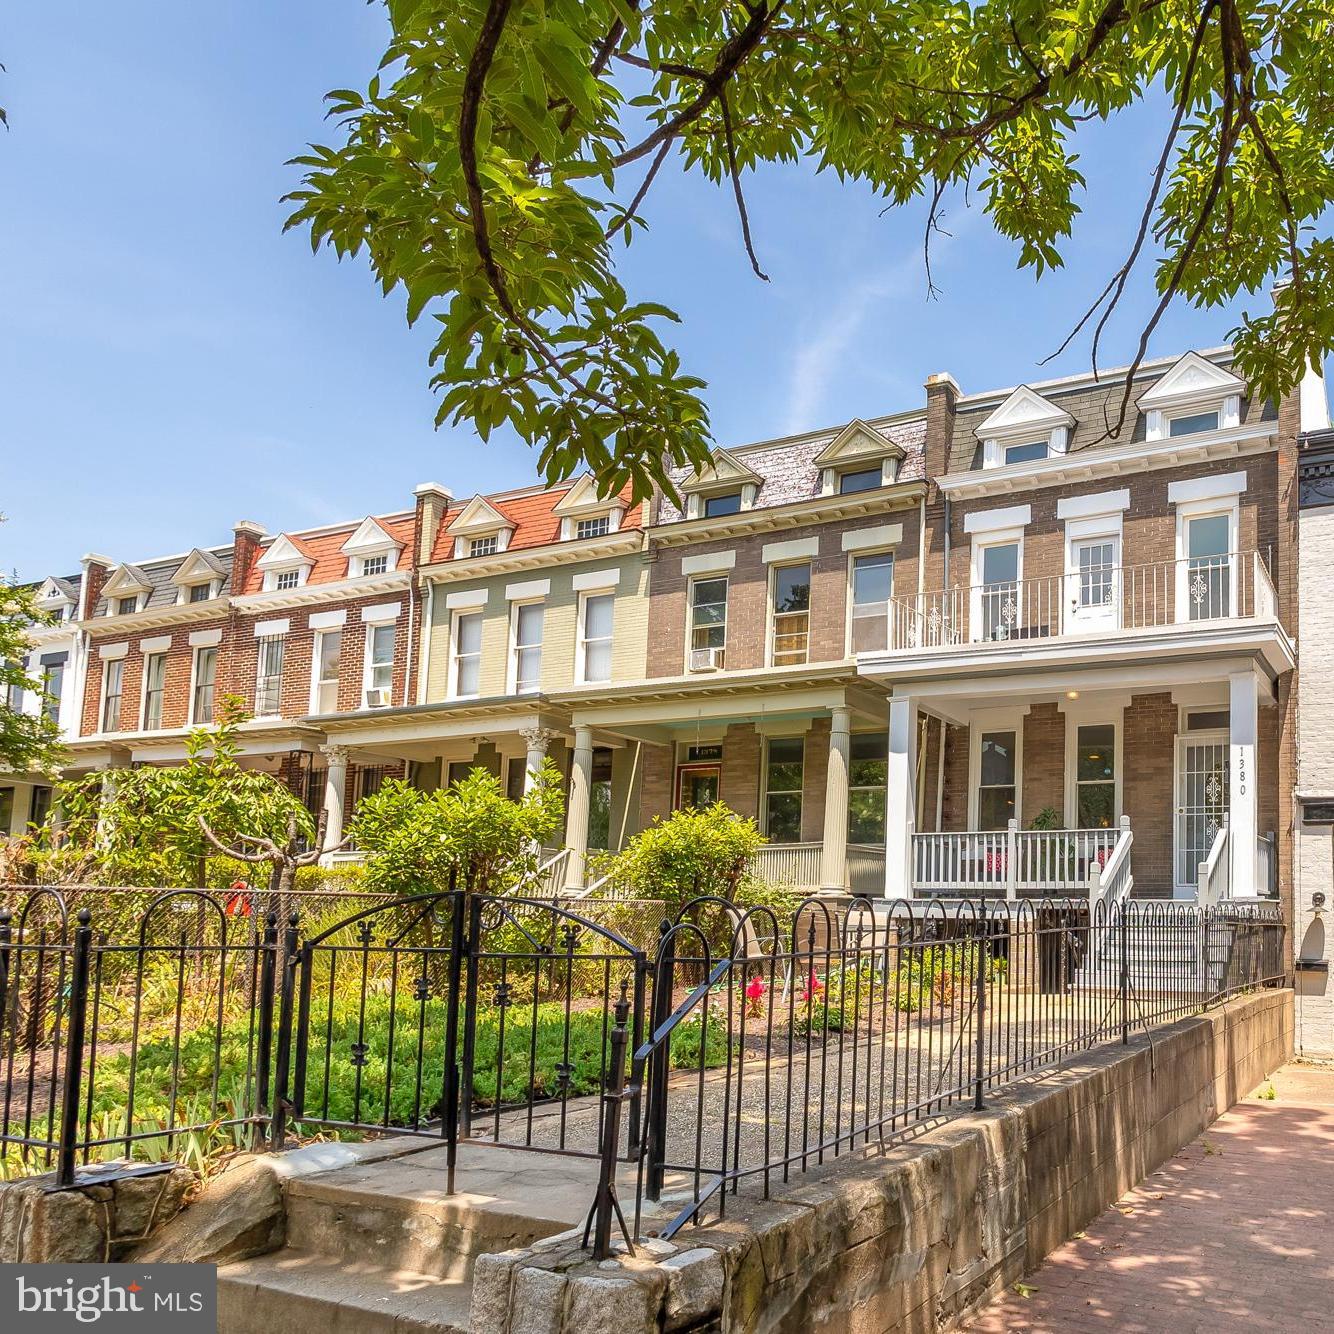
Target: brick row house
(999,643)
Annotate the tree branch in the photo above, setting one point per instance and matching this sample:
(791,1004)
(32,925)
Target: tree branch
(736,185)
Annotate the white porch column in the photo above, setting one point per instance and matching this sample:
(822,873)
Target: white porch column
(537,739)
(576,816)
(834,847)
(335,797)
(901,797)
(1243,821)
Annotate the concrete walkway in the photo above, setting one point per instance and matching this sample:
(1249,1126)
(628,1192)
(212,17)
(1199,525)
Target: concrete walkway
(1231,1234)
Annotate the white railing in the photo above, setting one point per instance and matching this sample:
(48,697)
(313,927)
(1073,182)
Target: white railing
(548,880)
(1265,860)
(866,869)
(1214,877)
(1109,879)
(1010,861)
(1098,600)
(795,864)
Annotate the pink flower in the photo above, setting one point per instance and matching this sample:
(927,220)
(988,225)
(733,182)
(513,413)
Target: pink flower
(755,990)
(813,988)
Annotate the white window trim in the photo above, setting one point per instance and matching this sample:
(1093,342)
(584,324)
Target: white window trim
(367,665)
(1158,421)
(854,555)
(987,522)
(581,636)
(1099,504)
(148,657)
(995,720)
(197,649)
(1205,508)
(998,537)
(768,739)
(1108,527)
(184,591)
(994,447)
(512,666)
(569,524)
(391,562)
(302,569)
(463,542)
(708,563)
(259,663)
(315,654)
(704,578)
(770,613)
(1077,715)
(452,673)
(118,661)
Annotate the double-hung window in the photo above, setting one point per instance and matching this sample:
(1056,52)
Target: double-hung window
(113,685)
(997,779)
(328,661)
(872,585)
(868,782)
(53,683)
(466,654)
(1095,776)
(528,646)
(155,690)
(595,636)
(791,614)
(379,664)
(783,771)
(206,675)
(708,623)
(999,592)
(269,675)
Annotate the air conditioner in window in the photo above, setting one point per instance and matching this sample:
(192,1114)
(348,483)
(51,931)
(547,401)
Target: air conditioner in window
(706,659)
(377,699)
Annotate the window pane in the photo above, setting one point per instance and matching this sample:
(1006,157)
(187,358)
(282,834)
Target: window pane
(872,578)
(331,648)
(1096,753)
(997,758)
(528,624)
(705,592)
(715,506)
(869,764)
(1096,805)
(468,632)
(1208,536)
(866,479)
(783,823)
(1198,421)
(598,616)
(1000,564)
(866,816)
(1025,453)
(792,588)
(200,592)
(597,660)
(995,807)
(469,676)
(599,814)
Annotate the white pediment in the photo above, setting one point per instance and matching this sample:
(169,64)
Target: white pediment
(584,498)
(478,516)
(126,581)
(370,537)
(54,593)
(199,567)
(1191,379)
(723,469)
(855,441)
(283,553)
(1023,411)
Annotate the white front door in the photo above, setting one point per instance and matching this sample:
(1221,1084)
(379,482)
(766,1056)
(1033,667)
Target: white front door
(1201,805)
(1094,598)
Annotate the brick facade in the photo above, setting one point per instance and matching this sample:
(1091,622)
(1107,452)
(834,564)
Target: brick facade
(1044,763)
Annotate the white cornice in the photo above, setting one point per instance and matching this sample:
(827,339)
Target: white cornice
(340,590)
(174,613)
(621,543)
(1109,461)
(816,509)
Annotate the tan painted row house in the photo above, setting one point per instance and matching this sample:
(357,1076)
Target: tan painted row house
(1008,643)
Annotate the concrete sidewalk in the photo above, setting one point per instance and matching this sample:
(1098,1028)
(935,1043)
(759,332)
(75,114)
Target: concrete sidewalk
(1233,1233)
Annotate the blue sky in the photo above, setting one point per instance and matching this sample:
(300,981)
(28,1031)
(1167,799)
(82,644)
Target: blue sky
(170,362)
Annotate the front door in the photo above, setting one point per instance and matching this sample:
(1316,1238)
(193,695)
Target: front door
(1094,601)
(1202,803)
(697,785)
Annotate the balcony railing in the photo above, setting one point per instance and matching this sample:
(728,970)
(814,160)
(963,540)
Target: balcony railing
(1099,600)
(1009,862)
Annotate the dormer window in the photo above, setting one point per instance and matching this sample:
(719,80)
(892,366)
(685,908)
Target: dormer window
(1036,449)
(283,580)
(1025,428)
(371,550)
(599,526)
(127,606)
(479,529)
(286,565)
(126,591)
(375,564)
(1191,423)
(729,502)
(862,479)
(484,546)
(201,592)
(1193,396)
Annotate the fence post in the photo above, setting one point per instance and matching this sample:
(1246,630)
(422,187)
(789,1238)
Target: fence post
(282,1091)
(75,1035)
(471,945)
(980,1009)
(637,1040)
(6,937)
(1125,972)
(1011,856)
(656,1131)
(451,1118)
(605,1202)
(264,1023)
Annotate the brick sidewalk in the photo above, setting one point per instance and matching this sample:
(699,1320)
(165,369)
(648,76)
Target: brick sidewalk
(1231,1234)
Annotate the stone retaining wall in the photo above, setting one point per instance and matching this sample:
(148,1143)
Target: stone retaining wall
(913,1239)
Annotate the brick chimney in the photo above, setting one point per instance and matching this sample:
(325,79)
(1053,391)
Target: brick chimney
(942,396)
(432,502)
(245,552)
(95,571)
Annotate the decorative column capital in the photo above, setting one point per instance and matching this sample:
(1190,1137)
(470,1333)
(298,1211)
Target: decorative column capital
(336,754)
(538,738)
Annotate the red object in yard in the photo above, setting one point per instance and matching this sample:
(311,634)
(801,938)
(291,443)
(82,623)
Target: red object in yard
(238,901)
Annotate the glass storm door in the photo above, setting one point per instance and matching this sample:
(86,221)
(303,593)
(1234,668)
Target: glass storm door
(1202,802)
(1094,604)
(697,785)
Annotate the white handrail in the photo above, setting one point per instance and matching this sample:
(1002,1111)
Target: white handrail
(1110,879)
(1214,876)
(1009,861)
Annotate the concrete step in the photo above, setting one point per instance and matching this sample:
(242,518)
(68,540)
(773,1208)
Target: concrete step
(294,1292)
(397,1215)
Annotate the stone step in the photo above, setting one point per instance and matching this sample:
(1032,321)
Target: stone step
(294,1292)
(398,1215)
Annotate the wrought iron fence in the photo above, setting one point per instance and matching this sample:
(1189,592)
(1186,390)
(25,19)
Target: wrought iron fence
(729,1048)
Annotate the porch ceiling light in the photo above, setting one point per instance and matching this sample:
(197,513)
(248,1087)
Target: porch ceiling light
(1072,694)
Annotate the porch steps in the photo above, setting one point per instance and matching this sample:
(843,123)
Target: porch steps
(381,1247)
